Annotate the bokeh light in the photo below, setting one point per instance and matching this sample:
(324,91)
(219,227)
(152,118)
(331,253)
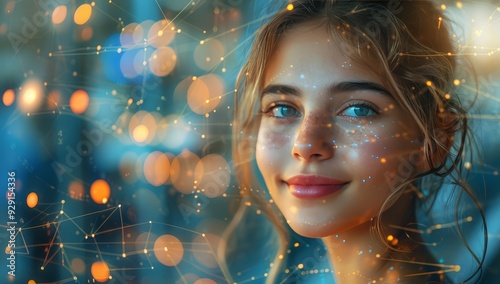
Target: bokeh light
(9,7)
(213,175)
(78,265)
(127,67)
(157,168)
(79,101)
(168,250)
(127,38)
(86,33)
(142,127)
(83,14)
(182,171)
(208,54)
(100,271)
(59,14)
(8,97)
(161,33)
(76,190)
(100,191)
(32,200)
(162,61)
(31,95)
(140,32)
(205,93)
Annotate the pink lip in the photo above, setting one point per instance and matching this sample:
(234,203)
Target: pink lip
(311,186)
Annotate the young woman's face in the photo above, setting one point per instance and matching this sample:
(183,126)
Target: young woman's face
(332,143)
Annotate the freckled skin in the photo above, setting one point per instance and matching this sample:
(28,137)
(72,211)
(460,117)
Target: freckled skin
(325,139)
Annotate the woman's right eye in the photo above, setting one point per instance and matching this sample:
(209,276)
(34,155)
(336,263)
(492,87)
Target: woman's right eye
(282,111)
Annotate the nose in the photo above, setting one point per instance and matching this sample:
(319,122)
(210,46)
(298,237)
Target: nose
(314,140)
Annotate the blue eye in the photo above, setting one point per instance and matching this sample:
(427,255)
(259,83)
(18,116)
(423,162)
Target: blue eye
(359,111)
(284,111)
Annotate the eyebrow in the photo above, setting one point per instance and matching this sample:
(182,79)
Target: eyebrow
(344,86)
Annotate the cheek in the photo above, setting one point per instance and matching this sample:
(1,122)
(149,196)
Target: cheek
(380,157)
(270,150)
(269,139)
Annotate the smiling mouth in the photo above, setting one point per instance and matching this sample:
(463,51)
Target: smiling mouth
(311,187)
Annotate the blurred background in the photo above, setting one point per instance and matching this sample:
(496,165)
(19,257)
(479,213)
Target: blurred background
(116,120)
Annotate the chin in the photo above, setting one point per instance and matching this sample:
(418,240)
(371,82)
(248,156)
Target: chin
(312,231)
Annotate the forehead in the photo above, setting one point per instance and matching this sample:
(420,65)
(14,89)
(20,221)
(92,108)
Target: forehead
(310,49)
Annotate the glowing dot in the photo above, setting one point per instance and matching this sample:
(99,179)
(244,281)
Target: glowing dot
(79,101)
(82,14)
(32,200)
(428,83)
(300,266)
(377,255)
(100,271)
(456,82)
(59,14)
(390,238)
(459,5)
(467,165)
(31,282)
(447,96)
(100,191)
(289,7)
(296,245)
(8,97)
(383,160)
(468,219)
(456,268)
(443,7)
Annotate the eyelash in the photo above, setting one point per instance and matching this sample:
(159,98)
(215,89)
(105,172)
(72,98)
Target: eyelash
(366,104)
(269,109)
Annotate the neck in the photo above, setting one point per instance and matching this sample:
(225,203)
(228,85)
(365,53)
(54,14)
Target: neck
(358,255)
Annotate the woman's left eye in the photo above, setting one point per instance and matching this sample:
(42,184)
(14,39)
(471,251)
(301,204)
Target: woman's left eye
(359,110)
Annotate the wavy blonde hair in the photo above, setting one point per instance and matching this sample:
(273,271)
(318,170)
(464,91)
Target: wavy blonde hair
(412,46)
